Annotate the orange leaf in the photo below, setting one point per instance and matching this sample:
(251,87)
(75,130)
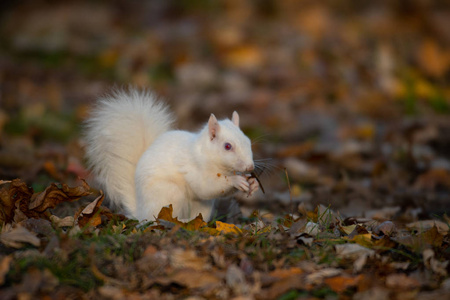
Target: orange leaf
(340,283)
(227,228)
(166,214)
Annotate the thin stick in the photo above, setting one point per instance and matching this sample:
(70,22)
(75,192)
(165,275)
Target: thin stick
(253,174)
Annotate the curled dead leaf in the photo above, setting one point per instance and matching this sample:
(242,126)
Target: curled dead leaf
(90,215)
(53,195)
(18,236)
(16,195)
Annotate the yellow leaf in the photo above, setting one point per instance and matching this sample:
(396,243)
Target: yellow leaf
(348,229)
(227,228)
(363,240)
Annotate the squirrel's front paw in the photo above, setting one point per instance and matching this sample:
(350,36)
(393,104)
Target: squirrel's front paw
(241,183)
(253,185)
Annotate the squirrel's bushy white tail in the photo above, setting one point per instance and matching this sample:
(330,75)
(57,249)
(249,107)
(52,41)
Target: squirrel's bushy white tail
(120,128)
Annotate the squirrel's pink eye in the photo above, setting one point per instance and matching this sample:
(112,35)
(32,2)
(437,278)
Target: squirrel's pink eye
(227,146)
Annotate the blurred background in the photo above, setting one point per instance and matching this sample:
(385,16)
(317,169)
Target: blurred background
(351,97)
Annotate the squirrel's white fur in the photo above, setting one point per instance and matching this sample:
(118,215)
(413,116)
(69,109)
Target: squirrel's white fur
(143,165)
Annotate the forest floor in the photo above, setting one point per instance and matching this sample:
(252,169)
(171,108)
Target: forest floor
(349,106)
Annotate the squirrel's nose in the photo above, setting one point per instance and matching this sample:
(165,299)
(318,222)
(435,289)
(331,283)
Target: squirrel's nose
(250,167)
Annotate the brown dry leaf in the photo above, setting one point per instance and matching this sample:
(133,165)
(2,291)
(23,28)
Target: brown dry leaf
(91,214)
(195,279)
(340,283)
(166,215)
(432,179)
(196,223)
(35,280)
(296,281)
(356,252)
(185,258)
(4,267)
(385,228)
(17,236)
(401,281)
(53,195)
(433,237)
(318,276)
(62,222)
(425,225)
(433,60)
(235,279)
(284,273)
(17,192)
(433,264)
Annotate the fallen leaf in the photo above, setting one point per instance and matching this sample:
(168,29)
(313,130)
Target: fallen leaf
(356,252)
(425,225)
(401,281)
(433,237)
(5,264)
(246,57)
(235,279)
(296,281)
(90,215)
(185,258)
(432,59)
(352,250)
(317,277)
(53,195)
(432,179)
(386,228)
(433,264)
(227,228)
(62,222)
(17,236)
(195,279)
(17,192)
(166,215)
(340,283)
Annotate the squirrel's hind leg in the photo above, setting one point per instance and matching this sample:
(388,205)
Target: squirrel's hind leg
(157,194)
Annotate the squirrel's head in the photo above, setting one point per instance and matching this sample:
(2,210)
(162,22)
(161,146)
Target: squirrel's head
(232,146)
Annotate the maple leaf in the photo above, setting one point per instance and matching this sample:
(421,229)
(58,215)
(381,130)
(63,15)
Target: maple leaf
(166,215)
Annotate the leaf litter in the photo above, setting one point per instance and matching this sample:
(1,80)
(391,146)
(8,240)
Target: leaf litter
(216,259)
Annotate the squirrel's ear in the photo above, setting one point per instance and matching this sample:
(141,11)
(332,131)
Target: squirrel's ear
(213,127)
(235,118)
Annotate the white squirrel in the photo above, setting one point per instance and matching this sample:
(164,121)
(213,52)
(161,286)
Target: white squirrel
(143,165)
